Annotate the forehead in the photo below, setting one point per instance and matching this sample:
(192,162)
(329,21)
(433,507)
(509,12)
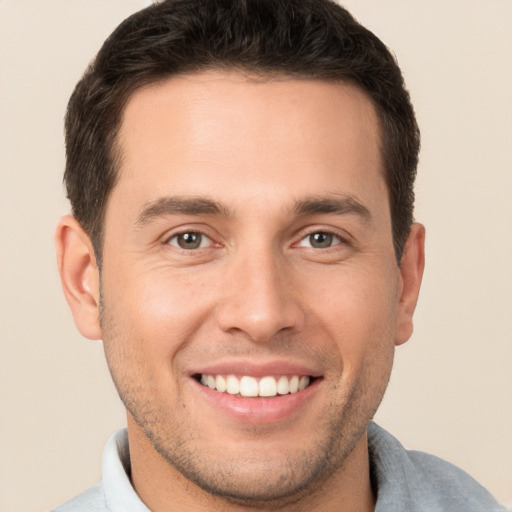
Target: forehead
(216,131)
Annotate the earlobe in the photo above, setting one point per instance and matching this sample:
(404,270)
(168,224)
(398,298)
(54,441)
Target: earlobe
(411,273)
(79,275)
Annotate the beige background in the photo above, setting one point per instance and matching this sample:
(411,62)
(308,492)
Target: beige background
(451,392)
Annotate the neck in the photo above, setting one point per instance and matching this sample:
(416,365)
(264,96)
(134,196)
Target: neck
(163,489)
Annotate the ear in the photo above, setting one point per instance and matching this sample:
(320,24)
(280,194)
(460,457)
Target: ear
(79,275)
(411,273)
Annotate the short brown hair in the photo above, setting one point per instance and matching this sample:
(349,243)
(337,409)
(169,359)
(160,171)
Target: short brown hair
(315,39)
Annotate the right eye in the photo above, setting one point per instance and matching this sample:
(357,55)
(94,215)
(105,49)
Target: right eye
(190,240)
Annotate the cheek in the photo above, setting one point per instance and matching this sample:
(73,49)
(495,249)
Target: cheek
(358,310)
(161,297)
(174,301)
(157,312)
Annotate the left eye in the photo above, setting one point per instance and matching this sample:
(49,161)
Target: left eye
(189,240)
(320,240)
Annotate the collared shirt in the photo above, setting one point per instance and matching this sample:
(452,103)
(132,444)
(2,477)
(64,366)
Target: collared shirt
(405,481)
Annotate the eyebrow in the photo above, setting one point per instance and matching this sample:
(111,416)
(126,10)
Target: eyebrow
(313,205)
(339,205)
(180,206)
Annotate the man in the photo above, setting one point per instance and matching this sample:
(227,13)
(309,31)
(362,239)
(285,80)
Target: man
(241,177)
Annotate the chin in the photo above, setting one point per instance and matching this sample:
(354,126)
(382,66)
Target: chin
(262,473)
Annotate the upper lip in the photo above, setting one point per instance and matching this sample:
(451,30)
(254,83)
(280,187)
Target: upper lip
(256,369)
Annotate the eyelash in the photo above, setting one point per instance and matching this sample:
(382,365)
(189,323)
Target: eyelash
(333,235)
(188,232)
(340,240)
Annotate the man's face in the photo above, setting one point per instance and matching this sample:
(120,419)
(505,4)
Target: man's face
(248,243)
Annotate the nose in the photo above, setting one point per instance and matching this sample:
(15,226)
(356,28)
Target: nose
(260,299)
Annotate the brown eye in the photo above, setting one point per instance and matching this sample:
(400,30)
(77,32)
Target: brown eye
(190,240)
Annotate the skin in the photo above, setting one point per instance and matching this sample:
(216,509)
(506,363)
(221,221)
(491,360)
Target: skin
(256,291)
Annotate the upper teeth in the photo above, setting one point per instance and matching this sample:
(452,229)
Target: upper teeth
(250,386)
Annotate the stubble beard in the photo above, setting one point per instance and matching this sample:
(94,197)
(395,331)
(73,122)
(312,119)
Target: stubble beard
(260,482)
(254,481)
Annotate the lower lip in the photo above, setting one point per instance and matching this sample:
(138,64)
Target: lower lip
(257,410)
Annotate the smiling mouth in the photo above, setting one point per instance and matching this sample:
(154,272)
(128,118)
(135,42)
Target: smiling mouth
(248,386)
